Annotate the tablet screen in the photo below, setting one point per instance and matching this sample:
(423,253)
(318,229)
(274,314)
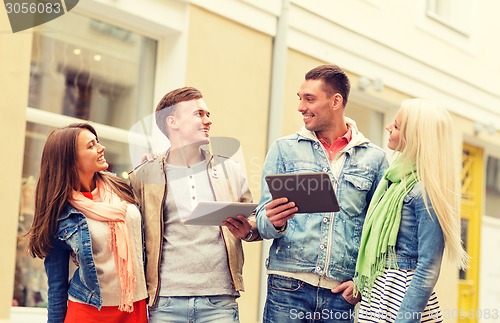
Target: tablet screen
(311,192)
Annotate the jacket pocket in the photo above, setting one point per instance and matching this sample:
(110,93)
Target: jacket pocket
(68,234)
(282,283)
(353,195)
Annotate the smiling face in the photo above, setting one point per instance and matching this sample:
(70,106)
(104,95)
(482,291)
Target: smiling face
(89,157)
(316,106)
(191,123)
(394,130)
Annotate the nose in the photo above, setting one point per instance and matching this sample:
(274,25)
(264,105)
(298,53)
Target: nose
(388,127)
(101,148)
(301,108)
(207,120)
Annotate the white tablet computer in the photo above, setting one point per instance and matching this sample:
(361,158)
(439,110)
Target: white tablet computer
(214,213)
(311,192)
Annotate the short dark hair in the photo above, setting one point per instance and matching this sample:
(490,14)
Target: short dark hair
(168,104)
(334,80)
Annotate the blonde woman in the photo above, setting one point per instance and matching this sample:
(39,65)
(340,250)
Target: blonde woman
(412,218)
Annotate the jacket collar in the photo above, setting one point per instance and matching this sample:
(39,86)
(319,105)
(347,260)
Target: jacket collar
(357,139)
(66,211)
(163,160)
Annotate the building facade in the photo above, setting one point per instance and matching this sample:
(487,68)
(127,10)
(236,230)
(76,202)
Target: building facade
(110,62)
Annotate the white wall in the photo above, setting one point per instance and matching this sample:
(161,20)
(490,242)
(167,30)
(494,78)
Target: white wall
(395,41)
(489,274)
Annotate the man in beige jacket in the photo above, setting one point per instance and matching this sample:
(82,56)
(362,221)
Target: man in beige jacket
(193,273)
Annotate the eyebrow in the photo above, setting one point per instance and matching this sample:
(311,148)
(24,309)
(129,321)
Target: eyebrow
(306,95)
(92,141)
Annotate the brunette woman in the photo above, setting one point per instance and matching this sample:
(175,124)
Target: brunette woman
(82,210)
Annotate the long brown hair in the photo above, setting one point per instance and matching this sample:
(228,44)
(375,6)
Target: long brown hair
(58,178)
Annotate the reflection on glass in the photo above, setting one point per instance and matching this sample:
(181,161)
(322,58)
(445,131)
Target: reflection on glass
(30,287)
(86,69)
(30,284)
(463,235)
(492,200)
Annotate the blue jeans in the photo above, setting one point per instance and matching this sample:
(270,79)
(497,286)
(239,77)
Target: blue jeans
(196,309)
(290,300)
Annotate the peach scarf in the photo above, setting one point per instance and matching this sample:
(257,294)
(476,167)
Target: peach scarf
(113,210)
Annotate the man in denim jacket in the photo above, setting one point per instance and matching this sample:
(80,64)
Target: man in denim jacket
(313,256)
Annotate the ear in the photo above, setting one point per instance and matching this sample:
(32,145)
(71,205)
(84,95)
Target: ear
(337,101)
(171,122)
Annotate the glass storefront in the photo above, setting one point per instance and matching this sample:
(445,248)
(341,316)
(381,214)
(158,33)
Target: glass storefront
(91,70)
(492,201)
(82,69)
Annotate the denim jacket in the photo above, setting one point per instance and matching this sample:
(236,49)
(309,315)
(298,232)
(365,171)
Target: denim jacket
(322,243)
(419,246)
(72,234)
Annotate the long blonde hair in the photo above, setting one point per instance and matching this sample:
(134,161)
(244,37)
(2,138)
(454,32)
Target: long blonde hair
(427,138)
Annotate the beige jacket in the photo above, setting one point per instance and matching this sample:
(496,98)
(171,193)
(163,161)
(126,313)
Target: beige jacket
(149,182)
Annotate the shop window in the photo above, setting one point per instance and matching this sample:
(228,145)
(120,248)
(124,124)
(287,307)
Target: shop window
(91,70)
(492,201)
(82,69)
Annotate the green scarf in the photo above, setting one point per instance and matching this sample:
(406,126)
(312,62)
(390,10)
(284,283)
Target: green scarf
(380,231)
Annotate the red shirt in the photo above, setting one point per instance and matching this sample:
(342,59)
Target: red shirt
(88,195)
(338,144)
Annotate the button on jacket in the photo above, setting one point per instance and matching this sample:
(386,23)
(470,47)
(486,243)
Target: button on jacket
(322,243)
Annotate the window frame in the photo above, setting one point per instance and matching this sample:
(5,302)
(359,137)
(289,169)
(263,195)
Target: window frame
(456,24)
(448,32)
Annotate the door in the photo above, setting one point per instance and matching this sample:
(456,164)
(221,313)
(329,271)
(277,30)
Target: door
(472,183)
